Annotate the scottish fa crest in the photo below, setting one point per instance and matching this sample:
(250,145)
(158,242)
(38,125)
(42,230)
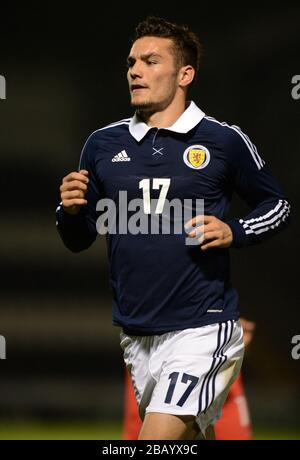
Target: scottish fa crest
(196,156)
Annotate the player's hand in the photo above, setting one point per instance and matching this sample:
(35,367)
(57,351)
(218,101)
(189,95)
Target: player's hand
(248,329)
(73,190)
(213,233)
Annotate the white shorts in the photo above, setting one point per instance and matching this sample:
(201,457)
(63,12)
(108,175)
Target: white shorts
(186,372)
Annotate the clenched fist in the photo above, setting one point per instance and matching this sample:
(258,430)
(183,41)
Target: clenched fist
(73,190)
(212,233)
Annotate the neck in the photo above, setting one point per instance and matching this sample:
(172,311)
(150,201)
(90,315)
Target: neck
(166,117)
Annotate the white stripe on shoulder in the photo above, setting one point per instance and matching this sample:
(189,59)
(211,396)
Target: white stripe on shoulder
(251,144)
(112,125)
(252,148)
(124,120)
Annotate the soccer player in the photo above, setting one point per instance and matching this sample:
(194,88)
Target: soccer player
(234,424)
(172,296)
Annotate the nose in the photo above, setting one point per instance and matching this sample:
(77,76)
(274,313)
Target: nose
(135,70)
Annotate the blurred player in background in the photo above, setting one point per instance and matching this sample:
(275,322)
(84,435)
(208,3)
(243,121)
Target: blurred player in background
(181,335)
(235,422)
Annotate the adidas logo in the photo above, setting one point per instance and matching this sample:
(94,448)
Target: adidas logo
(122,156)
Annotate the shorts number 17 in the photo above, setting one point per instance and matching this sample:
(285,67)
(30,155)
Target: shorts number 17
(185,379)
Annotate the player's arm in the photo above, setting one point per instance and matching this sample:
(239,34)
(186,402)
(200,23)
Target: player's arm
(252,180)
(76,215)
(254,183)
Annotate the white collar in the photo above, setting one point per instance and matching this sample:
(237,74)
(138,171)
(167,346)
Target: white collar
(187,121)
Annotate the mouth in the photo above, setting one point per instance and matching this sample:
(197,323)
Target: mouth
(136,87)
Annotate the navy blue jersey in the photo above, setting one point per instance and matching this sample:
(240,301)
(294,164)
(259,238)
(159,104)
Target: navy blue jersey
(159,282)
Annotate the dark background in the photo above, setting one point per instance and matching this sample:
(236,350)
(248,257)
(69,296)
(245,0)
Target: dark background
(66,76)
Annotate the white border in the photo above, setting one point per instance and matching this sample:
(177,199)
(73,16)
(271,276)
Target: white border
(201,147)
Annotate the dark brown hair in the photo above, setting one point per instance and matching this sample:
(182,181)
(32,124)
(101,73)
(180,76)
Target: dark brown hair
(187,47)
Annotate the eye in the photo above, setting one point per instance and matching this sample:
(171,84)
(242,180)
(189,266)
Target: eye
(129,63)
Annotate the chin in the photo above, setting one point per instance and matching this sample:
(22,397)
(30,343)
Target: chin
(136,102)
(144,105)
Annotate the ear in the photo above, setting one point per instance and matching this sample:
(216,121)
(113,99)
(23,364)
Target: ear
(186,75)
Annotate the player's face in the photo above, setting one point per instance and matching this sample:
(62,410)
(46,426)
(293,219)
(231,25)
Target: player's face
(152,73)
